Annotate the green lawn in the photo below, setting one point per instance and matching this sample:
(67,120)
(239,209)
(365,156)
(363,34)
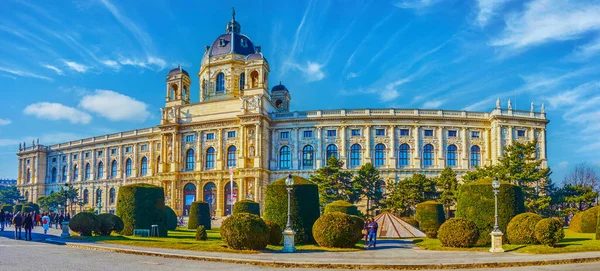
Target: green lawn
(186,239)
(573,242)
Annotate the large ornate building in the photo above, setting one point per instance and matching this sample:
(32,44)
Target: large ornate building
(239,123)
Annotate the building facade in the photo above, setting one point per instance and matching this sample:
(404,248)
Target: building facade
(242,131)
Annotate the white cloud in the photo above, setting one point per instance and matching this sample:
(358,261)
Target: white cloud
(313,71)
(151,63)
(544,21)
(111,63)
(5,122)
(76,66)
(487,9)
(54,68)
(586,51)
(56,111)
(433,104)
(115,106)
(24,73)
(352,75)
(416,4)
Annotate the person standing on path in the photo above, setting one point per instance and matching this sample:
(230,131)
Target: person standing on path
(365,231)
(46,223)
(61,218)
(2,219)
(28,225)
(56,220)
(38,218)
(373,233)
(18,222)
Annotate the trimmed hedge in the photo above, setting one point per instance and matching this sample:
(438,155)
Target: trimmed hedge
(246,206)
(34,206)
(275,233)
(520,229)
(27,209)
(84,223)
(430,215)
(107,223)
(304,206)
(413,222)
(549,231)
(476,202)
(18,207)
(171,218)
(586,221)
(245,231)
(458,232)
(575,223)
(7,208)
(341,206)
(201,233)
(140,206)
(199,215)
(337,230)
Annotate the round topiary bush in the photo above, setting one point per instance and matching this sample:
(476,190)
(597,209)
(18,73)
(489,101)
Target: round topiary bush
(341,206)
(199,215)
(275,233)
(430,215)
(201,233)
(304,206)
(585,222)
(108,223)
(549,231)
(7,208)
(575,223)
(140,206)
(171,218)
(245,231)
(84,223)
(476,202)
(413,222)
(458,232)
(337,230)
(246,206)
(520,229)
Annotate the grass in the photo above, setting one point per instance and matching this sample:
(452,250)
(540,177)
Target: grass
(573,242)
(185,239)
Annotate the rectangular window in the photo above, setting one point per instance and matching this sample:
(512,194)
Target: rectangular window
(127,149)
(100,153)
(231,134)
(308,133)
(64,159)
(452,133)
(284,135)
(210,136)
(355,132)
(54,160)
(331,133)
(113,151)
(189,138)
(428,132)
(404,132)
(379,132)
(28,161)
(144,147)
(74,156)
(475,134)
(87,155)
(520,133)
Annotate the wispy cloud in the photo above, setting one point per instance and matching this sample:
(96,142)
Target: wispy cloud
(5,122)
(141,36)
(487,9)
(416,4)
(433,104)
(56,111)
(21,73)
(57,70)
(586,51)
(78,67)
(115,106)
(312,71)
(152,63)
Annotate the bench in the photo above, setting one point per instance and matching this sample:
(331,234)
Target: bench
(141,232)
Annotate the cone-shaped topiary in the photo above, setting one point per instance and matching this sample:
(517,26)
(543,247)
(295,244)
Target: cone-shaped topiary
(337,230)
(246,206)
(140,206)
(476,202)
(84,223)
(341,206)
(171,218)
(201,233)
(245,231)
(549,231)
(521,229)
(108,223)
(304,206)
(575,223)
(199,215)
(585,222)
(458,232)
(275,233)
(430,215)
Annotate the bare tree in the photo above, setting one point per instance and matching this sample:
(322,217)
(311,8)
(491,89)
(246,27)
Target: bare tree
(583,175)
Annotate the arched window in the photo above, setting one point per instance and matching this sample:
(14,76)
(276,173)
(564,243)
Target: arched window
(285,157)
(451,156)
(220,83)
(64,174)
(53,175)
(173,92)
(28,177)
(332,150)
(190,160)
(242,80)
(475,156)
(355,155)
(404,155)
(428,155)
(128,167)
(210,158)
(144,167)
(379,155)
(231,156)
(308,157)
(111,196)
(113,169)
(86,197)
(254,78)
(75,173)
(100,171)
(87,172)
(98,196)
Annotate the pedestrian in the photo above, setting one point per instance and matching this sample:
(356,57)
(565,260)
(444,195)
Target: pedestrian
(28,225)
(38,219)
(67,217)
(46,223)
(18,222)
(373,233)
(8,219)
(2,218)
(56,220)
(365,232)
(61,218)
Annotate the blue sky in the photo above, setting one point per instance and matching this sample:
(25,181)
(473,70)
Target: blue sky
(75,69)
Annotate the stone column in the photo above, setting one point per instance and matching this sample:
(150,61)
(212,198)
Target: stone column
(220,199)
(219,161)
(242,147)
(510,135)
(319,153)
(392,149)
(342,147)
(241,189)
(464,153)
(487,154)
(199,153)
(440,156)
(258,155)
(417,147)
(500,135)
(367,150)
(295,149)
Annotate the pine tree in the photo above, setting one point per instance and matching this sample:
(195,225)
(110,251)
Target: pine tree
(406,194)
(369,182)
(334,183)
(10,194)
(448,185)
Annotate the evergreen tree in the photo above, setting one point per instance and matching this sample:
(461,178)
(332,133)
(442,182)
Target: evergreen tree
(368,181)
(406,194)
(9,195)
(448,185)
(334,183)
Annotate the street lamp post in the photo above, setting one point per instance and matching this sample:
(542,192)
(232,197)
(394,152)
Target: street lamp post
(496,233)
(288,233)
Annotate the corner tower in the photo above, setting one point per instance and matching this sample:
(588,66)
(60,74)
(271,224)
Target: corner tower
(178,87)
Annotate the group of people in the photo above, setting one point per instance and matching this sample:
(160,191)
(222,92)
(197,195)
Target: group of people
(370,232)
(28,220)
